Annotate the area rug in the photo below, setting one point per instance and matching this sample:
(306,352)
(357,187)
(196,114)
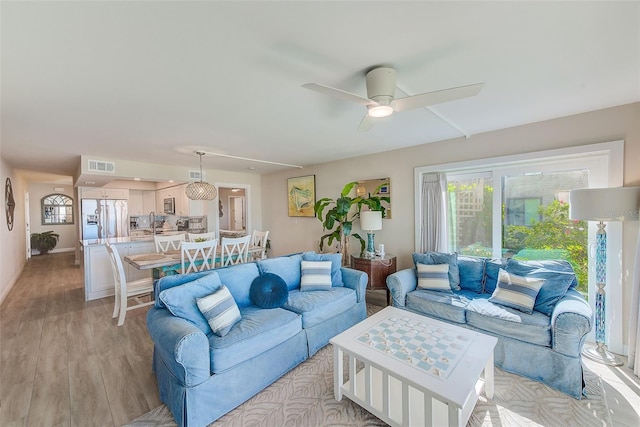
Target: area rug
(304,397)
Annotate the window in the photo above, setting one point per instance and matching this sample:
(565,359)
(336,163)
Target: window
(57,209)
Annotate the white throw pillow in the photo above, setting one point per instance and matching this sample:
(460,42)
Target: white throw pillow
(316,275)
(516,291)
(434,277)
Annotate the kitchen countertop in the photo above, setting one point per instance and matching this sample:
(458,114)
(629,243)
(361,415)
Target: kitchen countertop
(115,240)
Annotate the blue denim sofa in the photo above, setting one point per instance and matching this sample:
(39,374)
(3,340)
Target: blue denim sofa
(544,345)
(203,376)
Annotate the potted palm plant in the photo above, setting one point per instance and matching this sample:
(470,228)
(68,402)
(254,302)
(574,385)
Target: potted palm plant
(44,242)
(339,216)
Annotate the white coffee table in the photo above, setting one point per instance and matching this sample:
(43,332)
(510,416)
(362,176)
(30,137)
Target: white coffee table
(412,370)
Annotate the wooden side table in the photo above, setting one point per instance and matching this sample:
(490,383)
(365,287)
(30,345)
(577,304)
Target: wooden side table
(377,269)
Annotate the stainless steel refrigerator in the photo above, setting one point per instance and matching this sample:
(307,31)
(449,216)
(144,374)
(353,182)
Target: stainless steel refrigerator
(102,218)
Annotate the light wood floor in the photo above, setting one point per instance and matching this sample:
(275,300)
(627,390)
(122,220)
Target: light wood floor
(65,362)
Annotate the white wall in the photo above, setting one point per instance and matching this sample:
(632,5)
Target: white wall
(68,232)
(12,243)
(297,234)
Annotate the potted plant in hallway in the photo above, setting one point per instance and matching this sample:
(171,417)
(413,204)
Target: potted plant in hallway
(338,219)
(44,242)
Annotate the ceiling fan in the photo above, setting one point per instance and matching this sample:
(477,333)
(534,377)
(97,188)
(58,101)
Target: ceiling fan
(381,101)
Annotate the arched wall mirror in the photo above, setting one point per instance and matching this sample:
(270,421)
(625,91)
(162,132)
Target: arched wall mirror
(57,209)
(369,186)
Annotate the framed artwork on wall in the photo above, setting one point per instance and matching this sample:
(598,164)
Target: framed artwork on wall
(301,193)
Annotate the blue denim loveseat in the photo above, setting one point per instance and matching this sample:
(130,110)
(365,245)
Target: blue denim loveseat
(544,345)
(201,376)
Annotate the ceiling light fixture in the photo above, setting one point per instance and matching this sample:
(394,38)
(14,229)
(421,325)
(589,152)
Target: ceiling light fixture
(201,190)
(379,110)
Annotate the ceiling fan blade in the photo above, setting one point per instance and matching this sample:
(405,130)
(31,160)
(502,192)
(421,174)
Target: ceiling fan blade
(436,97)
(337,93)
(366,123)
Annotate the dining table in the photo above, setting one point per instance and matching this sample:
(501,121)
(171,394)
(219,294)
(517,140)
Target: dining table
(169,263)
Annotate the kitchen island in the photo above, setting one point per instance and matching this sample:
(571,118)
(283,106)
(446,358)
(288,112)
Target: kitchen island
(98,274)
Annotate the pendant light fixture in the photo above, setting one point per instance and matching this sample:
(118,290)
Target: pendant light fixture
(200,190)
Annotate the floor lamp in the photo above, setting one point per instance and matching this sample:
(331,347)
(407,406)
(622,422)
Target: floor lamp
(603,204)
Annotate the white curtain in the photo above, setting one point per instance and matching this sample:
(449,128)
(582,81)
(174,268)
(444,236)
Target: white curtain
(434,224)
(634,321)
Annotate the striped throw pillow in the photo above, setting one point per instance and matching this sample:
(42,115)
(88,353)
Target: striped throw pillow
(220,310)
(516,291)
(434,277)
(316,275)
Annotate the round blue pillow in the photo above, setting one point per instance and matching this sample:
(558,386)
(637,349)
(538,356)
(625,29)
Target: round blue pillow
(269,291)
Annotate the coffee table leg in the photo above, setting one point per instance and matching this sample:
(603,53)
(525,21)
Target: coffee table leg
(338,372)
(488,377)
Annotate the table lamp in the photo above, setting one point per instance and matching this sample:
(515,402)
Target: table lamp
(370,221)
(603,204)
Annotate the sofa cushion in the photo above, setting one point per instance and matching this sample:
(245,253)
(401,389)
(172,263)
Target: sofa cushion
(516,291)
(336,263)
(268,291)
(318,306)
(287,267)
(238,279)
(181,300)
(258,331)
(441,305)
(558,275)
(167,282)
(441,258)
(220,310)
(471,270)
(534,328)
(433,277)
(315,276)
(491,270)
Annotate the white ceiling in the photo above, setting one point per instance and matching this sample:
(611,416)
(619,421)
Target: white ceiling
(154,81)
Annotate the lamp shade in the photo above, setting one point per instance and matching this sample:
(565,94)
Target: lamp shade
(605,204)
(371,220)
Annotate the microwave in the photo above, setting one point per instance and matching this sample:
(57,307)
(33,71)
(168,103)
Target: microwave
(170,206)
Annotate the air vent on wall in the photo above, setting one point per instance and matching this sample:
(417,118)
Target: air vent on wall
(101,166)
(195,176)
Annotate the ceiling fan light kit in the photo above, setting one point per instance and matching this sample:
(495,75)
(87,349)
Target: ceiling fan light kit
(380,110)
(381,89)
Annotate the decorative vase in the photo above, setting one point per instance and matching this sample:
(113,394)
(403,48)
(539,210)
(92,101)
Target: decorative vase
(344,249)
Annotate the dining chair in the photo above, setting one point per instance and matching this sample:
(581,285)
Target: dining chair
(234,250)
(167,243)
(198,256)
(125,290)
(198,237)
(259,239)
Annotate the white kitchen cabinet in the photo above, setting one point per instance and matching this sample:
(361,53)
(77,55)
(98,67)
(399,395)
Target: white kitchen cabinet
(98,274)
(104,193)
(135,202)
(148,202)
(141,202)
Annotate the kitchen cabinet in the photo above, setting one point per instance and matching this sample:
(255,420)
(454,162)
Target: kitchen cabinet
(141,202)
(98,274)
(104,193)
(184,205)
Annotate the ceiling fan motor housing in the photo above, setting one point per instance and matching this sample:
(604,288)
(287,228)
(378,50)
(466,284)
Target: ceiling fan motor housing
(381,85)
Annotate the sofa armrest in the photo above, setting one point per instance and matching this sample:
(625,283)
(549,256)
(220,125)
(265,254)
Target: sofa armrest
(356,280)
(571,321)
(400,284)
(182,346)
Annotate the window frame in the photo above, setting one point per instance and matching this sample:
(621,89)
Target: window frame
(44,206)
